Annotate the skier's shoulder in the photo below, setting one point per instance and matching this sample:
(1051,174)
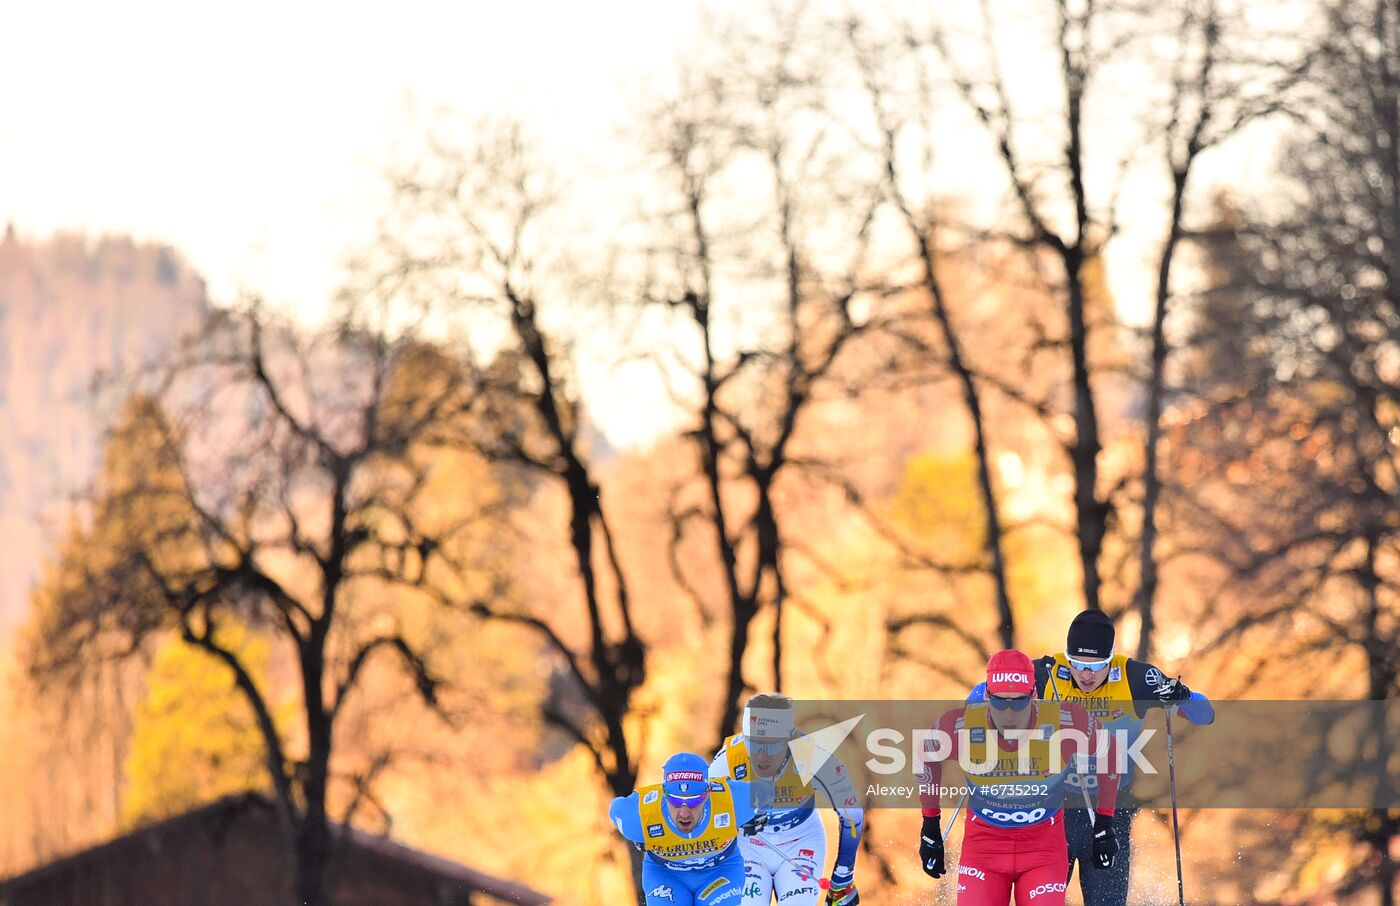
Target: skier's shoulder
(625,814)
(1143,678)
(805,750)
(956,718)
(631,801)
(1043,666)
(830,770)
(719,765)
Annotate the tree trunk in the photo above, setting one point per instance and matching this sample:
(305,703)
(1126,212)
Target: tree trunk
(770,552)
(744,612)
(1151,479)
(1092,515)
(313,857)
(1380,680)
(1386,875)
(314,846)
(1006,620)
(778,638)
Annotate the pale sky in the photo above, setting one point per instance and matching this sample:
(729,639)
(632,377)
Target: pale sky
(253,136)
(249,135)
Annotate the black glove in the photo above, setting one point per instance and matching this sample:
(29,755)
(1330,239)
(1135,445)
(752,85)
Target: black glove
(931,848)
(843,896)
(1172,690)
(1105,842)
(754,824)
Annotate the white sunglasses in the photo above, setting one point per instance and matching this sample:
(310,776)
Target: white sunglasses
(1088,665)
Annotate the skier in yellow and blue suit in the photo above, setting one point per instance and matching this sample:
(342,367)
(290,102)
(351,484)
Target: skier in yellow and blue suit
(688,825)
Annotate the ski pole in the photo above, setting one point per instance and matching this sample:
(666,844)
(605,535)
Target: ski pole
(953,821)
(1083,782)
(1176,827)
(802,872)
(765,797)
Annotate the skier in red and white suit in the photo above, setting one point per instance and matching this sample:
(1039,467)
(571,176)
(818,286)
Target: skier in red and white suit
(1015,837)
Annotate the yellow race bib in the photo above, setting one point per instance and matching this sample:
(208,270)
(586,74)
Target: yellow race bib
(661,841)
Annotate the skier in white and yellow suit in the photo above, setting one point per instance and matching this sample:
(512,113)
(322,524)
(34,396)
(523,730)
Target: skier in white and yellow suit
(784,860)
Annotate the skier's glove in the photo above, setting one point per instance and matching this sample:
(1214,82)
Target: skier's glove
(1105,842)
(1172,690)
(754,824)
(931,848)
(842,896)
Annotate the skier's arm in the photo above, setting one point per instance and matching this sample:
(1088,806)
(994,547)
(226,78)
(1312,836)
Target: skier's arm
(1086,723)
(930,772)
(743,801)
(1151,688)
(833,783)
(719,768)
(1198,709)
(1044,666)
(626,816)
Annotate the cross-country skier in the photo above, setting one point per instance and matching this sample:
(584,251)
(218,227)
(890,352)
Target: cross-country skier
(1014,838)
(1119,692)
(783,860)
(688,826)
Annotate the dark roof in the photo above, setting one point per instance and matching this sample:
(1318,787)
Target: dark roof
(446,869)
(365,843)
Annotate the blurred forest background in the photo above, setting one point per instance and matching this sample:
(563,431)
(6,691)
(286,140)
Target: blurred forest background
(961,330)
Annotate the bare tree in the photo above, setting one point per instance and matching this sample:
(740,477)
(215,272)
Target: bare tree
(471,242)
(1216,89)
(769,230)
(899,116)
(1058,216)
(278,479)
(1304,466)
(1193,103)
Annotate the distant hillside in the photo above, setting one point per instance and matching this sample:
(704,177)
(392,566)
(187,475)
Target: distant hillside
(70,306)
